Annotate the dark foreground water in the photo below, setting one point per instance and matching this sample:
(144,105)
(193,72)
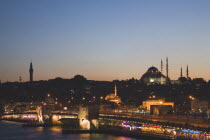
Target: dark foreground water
(15,131)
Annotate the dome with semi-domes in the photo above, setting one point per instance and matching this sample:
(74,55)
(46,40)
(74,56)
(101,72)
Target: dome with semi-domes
(153,76)
(152,69)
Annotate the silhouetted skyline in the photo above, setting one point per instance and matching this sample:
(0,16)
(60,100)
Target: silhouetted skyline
(103,40)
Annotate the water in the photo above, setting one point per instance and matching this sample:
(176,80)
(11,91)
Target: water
(15,131)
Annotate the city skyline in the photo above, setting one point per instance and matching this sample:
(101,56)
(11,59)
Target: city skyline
(103,40)
(164,72)
(105,69)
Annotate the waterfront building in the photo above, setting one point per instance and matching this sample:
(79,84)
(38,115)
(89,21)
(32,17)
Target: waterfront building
(88,117)
(156,107)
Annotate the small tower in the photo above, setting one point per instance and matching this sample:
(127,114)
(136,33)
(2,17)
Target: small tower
(31,72)
(161,66)
(181,73)
(167,67)
(187,72)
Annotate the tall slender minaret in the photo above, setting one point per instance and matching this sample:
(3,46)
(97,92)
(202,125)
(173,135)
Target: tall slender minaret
(187,72)
(31,72)
(181,73)
(20,79)
(115,89)
(167,67)
(161,66)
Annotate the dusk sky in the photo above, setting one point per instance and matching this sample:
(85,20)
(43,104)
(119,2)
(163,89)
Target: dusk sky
(103,39)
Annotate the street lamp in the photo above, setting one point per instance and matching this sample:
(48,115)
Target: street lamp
(191,97)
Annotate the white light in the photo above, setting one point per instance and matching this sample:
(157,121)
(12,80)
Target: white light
(152,80)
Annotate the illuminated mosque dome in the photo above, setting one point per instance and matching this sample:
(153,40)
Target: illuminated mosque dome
(153,76)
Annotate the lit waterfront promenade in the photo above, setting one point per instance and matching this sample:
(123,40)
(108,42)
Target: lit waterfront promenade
(171,127)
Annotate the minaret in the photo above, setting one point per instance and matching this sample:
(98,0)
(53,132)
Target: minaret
(115,90)
(20,79)
(187,72)
(161,66)
(167,67)
(31,72)
(181,73)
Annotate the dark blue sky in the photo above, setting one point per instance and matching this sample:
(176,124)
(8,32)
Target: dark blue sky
(103,39)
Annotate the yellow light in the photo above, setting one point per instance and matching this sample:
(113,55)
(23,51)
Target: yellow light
(65,108)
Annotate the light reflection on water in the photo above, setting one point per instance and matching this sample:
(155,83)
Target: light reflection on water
(15,131)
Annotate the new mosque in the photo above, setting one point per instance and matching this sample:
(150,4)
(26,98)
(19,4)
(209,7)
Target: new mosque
(113,97)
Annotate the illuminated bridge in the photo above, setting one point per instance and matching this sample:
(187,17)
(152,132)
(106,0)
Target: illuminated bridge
(143,124)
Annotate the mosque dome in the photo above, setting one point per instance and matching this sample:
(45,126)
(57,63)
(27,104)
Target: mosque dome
(153,76)
(153,72)
(113,98)
(152,69)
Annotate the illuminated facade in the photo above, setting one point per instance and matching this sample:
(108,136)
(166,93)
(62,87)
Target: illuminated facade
(88,117)
(113,97)
(153,104)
